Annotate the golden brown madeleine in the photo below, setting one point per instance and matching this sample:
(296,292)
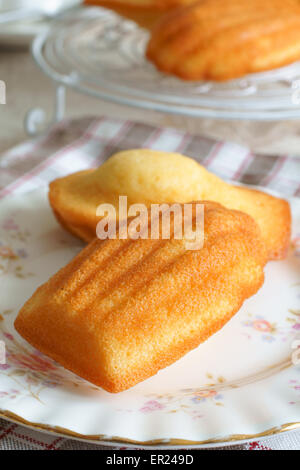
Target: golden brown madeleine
(124,309)
(145,13)
(148,176)
(226,39)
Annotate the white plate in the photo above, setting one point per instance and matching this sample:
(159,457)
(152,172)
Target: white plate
(21,33)
(238,385)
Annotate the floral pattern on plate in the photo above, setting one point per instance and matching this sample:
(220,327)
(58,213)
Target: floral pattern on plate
(270,331)
(221,388)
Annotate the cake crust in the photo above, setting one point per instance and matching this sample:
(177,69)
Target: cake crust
(226,39)
(146,13)
(148,176)
(122,310)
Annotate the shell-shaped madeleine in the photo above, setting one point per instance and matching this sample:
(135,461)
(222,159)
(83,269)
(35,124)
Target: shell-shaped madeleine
(122,310)
(147,176)
(226,39)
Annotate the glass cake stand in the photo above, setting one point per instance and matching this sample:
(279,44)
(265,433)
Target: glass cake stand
(96,52)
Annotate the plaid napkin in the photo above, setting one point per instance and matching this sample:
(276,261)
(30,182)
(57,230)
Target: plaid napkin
(75,145)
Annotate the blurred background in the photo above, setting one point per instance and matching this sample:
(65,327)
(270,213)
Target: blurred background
(28,87)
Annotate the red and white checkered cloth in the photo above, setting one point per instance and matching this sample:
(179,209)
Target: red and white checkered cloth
(15,437)
(75,145)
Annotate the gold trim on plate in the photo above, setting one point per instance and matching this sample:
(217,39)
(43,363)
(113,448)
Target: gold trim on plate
(63,432)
